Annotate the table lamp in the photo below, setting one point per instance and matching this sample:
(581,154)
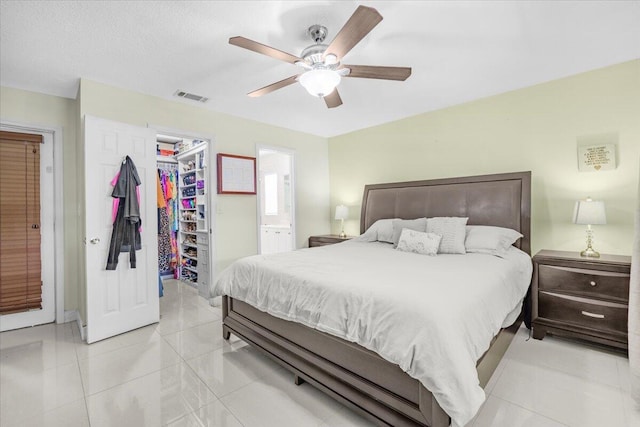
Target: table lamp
(342,213)
(589,212)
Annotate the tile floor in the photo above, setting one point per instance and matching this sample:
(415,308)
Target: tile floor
(181,372)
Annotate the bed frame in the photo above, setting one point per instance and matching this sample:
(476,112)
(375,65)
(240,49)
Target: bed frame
(360,378)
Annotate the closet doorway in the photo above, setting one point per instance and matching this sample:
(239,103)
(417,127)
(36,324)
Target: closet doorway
(27,291)
(276,203)
(185,219)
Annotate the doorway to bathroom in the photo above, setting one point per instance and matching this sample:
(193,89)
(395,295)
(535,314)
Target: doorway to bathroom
(276,200)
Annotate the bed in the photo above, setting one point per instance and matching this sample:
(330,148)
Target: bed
(353,374)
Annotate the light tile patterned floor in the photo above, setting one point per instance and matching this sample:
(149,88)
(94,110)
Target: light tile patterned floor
(181,372)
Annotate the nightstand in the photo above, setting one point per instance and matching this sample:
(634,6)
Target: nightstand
(327,239)
(581,297)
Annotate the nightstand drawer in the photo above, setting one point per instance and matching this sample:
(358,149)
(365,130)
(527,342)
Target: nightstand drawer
(600,315)
(589,283)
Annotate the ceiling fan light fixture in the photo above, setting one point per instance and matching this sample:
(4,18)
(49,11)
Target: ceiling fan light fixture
(331,59)
(320,82)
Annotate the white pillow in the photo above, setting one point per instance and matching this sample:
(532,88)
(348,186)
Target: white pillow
(419,224)
(418,242)
(452,230)
(486,239)
(381,230)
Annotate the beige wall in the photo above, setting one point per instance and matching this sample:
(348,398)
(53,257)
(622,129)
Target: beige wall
(236,228)
(536,129)
(31,108)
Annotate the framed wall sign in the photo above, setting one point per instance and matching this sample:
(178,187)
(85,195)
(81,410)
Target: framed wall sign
(236,174)
(596,157)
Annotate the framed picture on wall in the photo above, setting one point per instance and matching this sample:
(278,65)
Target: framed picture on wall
(236,174)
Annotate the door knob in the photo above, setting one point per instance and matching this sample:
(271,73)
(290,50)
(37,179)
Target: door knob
(95,240)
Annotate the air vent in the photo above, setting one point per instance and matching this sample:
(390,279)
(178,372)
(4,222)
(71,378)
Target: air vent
(191,96)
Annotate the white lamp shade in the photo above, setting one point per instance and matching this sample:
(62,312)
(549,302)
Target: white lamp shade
(342,212)
(589,212)
(320,82)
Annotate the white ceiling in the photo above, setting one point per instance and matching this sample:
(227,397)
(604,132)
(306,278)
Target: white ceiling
(459,51)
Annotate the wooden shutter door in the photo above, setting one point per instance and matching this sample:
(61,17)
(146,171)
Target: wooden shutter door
(20,269)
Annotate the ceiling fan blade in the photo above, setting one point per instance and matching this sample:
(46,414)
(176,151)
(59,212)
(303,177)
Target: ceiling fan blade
(374,72)
(333,100)
(273,87)
(263,49)
(363,20)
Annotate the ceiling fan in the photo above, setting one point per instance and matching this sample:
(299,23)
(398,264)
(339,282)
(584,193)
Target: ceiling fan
(321,62)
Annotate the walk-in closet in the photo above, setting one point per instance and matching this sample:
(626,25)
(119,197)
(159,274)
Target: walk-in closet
(184,223)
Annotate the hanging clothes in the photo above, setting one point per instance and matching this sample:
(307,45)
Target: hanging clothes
(159,193)
(125,236)
(167,236)
(164,231)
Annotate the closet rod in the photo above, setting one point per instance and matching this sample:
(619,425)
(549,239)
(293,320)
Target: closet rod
(168,167)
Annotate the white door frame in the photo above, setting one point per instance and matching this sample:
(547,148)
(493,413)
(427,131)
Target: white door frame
(51,135)
(292,153)
(212,178)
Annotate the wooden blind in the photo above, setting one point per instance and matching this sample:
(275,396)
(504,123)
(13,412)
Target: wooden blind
(20,270)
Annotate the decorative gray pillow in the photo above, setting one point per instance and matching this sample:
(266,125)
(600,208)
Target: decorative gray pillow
(419,224)
(385,230)
(381,231)
(418,242)
(452,230)
(485,239)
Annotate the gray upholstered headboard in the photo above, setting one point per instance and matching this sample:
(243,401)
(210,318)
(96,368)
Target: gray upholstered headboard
(502,200)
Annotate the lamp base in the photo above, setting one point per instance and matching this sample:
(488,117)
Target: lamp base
(343,235)
(590,253)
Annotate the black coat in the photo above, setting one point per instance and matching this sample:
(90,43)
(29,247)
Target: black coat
(125,236)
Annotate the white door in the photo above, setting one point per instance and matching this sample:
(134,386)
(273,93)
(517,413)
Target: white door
(125,298)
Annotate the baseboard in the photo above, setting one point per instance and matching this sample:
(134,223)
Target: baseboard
(74,316)
(70,315)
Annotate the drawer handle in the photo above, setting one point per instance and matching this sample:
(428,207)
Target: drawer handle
(597,316)
(592,283)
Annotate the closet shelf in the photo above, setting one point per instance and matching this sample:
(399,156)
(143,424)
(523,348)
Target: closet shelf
(166,159)
(196,217)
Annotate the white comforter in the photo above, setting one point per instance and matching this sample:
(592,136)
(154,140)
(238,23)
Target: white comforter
(432,316)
